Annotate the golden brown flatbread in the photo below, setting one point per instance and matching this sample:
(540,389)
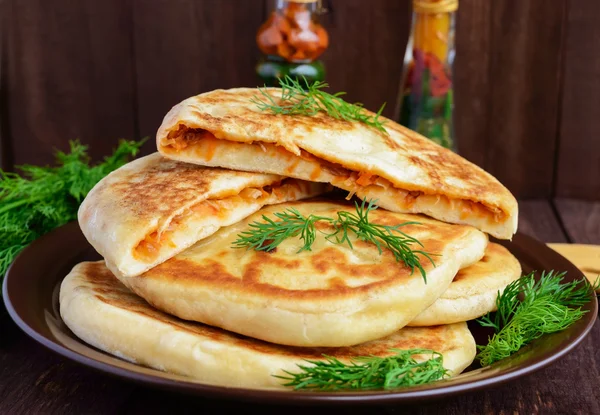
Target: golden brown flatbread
(152,208)
(103,313)
(329,296)
(402,170)
(474,290)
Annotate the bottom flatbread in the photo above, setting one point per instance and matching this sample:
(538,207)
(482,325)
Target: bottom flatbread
(474,290)
(105,314)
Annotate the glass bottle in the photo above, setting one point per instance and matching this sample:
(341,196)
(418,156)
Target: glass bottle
(427,98)
(291,40)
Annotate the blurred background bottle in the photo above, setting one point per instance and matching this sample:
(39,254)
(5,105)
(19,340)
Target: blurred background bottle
(291,40)
(427,98)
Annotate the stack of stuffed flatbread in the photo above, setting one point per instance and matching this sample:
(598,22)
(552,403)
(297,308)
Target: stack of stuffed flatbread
(177,291)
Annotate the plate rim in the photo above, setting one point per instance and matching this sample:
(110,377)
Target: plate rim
(423,393)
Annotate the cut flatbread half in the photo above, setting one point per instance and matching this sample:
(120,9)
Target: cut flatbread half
(102,312)
(152,208)
(330,296)
(474,290)
(404,171)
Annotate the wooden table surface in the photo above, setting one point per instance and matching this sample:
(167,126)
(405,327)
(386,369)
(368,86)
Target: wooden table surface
(34,380)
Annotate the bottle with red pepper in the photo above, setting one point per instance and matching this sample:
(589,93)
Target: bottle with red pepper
(291,40)
(427,102)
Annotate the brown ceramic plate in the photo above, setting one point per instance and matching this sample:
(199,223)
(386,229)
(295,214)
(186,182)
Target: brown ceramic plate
(31,295)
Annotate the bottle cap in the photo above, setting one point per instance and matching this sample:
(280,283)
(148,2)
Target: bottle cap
(435,6)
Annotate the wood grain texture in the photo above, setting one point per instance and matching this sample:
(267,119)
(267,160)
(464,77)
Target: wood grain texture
(581,220)
(186,47)
(366,52)
(4,138)
(471,79)
(34,380)
(525,96)
(578,169)
(144,401)
(70,76)
(537,219)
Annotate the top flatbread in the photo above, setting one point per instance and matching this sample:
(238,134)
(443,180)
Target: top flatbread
(152,208)
(403,170)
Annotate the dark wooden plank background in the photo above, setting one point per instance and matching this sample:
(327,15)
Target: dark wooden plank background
(579,156)
(526,75)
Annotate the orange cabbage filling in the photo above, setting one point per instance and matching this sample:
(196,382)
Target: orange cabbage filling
(184,137)
(149,247)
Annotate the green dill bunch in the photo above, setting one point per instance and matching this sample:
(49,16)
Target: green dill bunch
(43,198)
(368,372)
(547,306)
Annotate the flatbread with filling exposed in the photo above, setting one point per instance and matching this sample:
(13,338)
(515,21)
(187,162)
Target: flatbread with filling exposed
(152,208)
(403,170)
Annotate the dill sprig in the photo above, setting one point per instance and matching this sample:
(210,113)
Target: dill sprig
(547,306)
(267,235)
(368,372)
(308,99)
(43,198)
(270,234)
